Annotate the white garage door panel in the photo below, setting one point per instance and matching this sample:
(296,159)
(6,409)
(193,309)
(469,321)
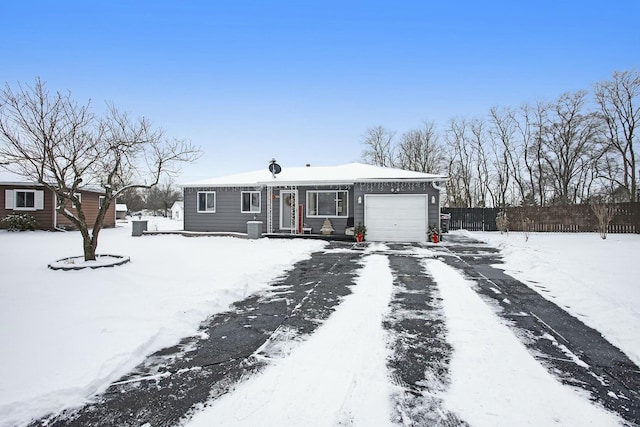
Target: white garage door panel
(396,218)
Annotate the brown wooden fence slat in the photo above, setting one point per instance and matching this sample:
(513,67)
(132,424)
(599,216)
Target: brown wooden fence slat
(566,219)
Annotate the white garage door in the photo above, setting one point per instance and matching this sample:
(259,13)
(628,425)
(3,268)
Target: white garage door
(396,218)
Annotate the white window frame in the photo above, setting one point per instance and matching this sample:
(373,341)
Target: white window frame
(345,214)
(22,208)
(101,200)
(259,209)
(208,193)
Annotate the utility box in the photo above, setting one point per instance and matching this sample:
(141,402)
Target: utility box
(254,229)
(138,226)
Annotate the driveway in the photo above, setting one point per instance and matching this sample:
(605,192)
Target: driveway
(237,344)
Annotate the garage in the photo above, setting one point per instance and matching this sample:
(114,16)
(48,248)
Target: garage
(396,218)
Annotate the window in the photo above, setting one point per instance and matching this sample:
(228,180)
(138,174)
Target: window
(207,201)
(25,199)
(250,201)
(327,203)
(100,201)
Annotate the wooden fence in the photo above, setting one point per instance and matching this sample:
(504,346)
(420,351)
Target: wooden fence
(571,218)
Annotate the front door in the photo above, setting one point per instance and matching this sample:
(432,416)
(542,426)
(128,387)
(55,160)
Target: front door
(288,209)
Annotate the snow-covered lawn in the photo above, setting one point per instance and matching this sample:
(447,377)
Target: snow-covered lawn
(598,281)
(66,335)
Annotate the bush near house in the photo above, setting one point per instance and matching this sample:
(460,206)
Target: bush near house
(20,222)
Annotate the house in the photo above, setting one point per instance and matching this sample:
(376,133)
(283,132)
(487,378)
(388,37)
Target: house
(395,205)
(177,210)
(19,196)
(121,210)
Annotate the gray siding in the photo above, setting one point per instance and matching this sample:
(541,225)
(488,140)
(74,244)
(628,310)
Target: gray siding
(433,214)
(339,224)
(229,218)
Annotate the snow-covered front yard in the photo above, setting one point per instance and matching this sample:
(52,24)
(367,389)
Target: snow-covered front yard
(67,335)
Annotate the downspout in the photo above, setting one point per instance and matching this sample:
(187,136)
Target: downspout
(55,214)
(436,185)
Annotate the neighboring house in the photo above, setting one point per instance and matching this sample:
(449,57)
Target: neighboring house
(395,205)
(17,196)
(177,210)
(121,210)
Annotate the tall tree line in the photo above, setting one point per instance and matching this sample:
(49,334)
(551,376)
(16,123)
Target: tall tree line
(574,149)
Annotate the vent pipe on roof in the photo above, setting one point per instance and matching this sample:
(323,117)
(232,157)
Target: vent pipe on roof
(308,165)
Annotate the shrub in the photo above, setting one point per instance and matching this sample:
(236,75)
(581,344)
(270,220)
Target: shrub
(20,222)
(605,213)
(527,227)
(502,222)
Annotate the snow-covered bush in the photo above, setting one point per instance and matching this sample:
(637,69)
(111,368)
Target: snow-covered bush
(20,222)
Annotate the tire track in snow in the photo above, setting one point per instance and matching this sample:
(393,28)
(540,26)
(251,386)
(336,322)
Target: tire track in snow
(420,360)
(337,377)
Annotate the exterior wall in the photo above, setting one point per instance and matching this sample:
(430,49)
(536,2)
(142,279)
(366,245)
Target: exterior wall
(44,217)
(229,218)
(339,224)
(433,213)
(90,206)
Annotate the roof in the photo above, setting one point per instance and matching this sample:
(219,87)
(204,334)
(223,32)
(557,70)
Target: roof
(344,174)
(7,177)
(121,207)
(178,204)
(10,178)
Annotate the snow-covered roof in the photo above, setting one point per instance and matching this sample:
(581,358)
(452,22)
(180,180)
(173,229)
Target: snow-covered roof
(121,207)
(7,177)
(177,204)
(343,174)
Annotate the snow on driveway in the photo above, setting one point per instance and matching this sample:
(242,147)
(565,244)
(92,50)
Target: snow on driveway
(338,376)
(495,380)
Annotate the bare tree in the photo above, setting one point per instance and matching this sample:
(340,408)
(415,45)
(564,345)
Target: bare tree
(505,155)
(162,196)
(482,188)
(605,213)
(420,150)
(617,98)
(380,149)
(571,146)
(460,165)
(53,140)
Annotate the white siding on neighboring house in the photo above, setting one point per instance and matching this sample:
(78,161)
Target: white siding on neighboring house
(177,211)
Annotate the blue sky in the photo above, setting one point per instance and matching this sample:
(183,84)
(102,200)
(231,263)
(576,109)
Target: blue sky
(301,81)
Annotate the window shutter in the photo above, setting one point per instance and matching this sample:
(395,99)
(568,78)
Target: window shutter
(8,199)
(39,199)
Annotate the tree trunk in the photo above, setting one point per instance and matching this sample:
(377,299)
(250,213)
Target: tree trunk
(89,250)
